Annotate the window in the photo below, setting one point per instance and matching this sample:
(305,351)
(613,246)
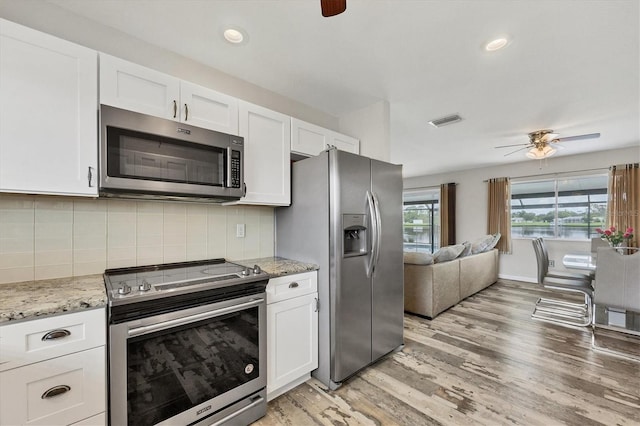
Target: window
(421,211)
(567,208)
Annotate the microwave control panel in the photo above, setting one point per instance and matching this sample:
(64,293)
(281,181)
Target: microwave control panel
(235,170)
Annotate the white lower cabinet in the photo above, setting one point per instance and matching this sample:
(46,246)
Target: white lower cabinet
(61,373)
(292,331)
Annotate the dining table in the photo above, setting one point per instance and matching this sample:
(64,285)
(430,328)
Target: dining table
(583,260)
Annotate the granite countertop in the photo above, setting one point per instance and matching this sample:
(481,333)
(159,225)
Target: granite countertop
(32,299)
(278,266)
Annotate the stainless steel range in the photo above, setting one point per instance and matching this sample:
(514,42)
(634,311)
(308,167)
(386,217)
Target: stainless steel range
(187,344)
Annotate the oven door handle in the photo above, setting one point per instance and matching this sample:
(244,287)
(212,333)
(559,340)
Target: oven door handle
(138,331)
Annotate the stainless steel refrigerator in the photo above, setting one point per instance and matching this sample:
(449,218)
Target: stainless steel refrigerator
(346,216)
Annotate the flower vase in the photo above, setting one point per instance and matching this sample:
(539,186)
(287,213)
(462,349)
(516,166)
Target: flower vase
(618,247)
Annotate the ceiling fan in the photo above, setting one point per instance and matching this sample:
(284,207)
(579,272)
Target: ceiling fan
(333,7)
(540,141)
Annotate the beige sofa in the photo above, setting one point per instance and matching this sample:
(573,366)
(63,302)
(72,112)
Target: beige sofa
(430,289)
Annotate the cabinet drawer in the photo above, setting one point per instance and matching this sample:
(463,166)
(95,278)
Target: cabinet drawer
(286,287)
(32,341)
(97,420)
(59,391)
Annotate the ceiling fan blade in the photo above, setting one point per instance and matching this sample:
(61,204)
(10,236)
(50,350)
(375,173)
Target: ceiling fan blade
(518,144)
(576,138)
(333,7)
(517,150)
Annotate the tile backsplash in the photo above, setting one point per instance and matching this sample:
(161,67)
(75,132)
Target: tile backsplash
(51,236)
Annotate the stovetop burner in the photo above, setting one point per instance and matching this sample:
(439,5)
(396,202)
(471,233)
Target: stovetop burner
(141,283)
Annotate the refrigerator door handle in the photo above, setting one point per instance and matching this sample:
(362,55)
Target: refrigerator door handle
(378,228)
(374,232)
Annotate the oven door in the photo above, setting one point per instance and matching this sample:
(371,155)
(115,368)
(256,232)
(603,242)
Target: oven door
(183,366)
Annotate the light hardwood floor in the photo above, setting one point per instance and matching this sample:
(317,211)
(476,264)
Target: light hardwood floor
(485,362)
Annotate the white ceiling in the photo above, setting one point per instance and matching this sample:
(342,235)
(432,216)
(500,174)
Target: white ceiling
(572,66)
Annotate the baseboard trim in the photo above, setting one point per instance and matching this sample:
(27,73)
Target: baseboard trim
(518,278)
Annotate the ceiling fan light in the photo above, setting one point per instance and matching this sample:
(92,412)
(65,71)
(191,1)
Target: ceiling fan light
(539,154)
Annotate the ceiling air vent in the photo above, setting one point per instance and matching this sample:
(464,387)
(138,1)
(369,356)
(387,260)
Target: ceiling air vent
(449,119)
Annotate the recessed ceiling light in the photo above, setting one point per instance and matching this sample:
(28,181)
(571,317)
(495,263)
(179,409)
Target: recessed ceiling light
(496,44)
(233,35)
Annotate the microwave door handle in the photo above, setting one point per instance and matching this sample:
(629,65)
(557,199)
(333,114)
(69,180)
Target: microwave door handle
(227,184)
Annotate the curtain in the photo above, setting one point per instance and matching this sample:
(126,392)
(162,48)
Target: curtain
(623,208)
(499,214)
(447,214)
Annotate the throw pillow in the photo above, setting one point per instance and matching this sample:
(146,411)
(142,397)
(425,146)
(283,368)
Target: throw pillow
(481,244)
(447,253)
(417,258)
(496,238)
(467,249)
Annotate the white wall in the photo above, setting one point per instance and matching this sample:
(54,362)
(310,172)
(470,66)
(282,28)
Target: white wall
(471,202)
(45,237)
(371,126)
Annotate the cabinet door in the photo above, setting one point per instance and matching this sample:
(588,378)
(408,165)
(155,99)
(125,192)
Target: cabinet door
(267,146)
(307,138)
(203,107)
(48,113)
(292,340)
(131,86)
(345,143)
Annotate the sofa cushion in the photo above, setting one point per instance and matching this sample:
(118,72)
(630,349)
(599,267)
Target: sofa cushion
(447,253)
(418,258)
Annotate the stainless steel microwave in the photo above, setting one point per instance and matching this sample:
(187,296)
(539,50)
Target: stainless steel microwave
(148,157)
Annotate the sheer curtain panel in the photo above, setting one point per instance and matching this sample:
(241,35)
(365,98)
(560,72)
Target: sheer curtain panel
(447,214)
(499,214)
(623,208)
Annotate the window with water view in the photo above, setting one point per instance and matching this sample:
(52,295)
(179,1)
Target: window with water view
(421,211)
(570,208)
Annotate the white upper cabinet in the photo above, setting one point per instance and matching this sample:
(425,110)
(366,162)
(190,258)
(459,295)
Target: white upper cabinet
(267,142)
(344,142)
(133,87)
(48,114)
(203,107)
(309,139)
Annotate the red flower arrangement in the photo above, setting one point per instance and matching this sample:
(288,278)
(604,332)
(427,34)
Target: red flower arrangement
(614,236)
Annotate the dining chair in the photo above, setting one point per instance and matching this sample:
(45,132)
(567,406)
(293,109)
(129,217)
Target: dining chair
(560,310)
(618,293)
(588,277)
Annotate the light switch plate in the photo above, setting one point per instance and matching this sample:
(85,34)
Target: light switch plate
(240,230)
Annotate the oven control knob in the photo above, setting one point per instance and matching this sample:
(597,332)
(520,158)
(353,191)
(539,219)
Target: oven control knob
(145,286)
(125,289)
(256,269)
(246,272)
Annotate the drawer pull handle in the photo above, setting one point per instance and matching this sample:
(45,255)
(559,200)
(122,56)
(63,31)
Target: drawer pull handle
(56,334)
(55,391)
(293,285)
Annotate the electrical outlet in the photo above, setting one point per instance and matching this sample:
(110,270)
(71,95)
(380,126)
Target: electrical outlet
(552,262)
(240,230)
